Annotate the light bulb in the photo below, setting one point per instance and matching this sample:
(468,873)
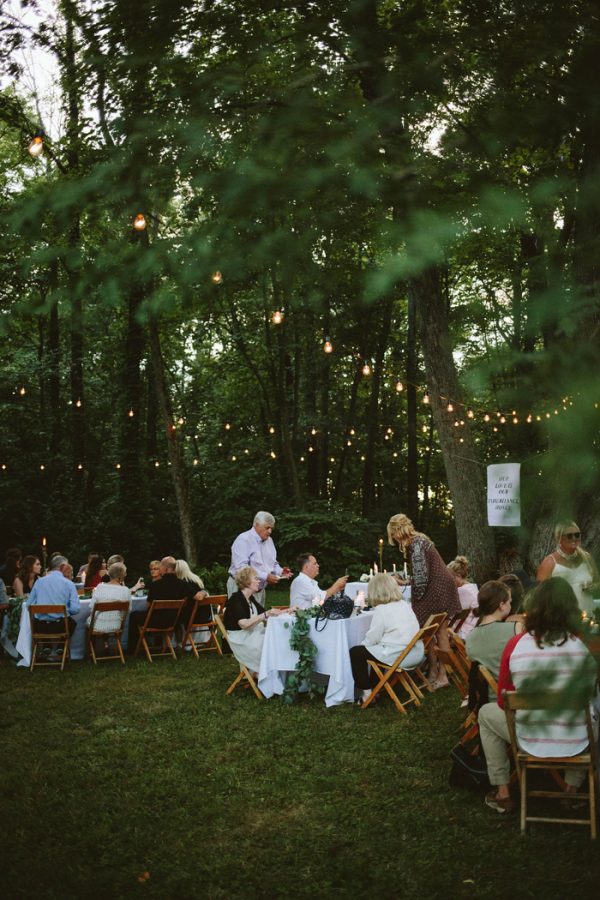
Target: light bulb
(180,420)
(327,346)
(425,397)
(399,386)
(271,429)
(277,317)
(78,404)
(216,277)
(22,391)
(450,407)
(131,414)
(118,466)
(366,369)
(227,426)
(139,223)
(470,413)
(36,147)
(486,418)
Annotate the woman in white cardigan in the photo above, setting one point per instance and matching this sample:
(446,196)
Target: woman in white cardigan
(392,628)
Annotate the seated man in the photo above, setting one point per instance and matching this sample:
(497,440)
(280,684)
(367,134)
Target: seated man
(305,592)
(55,589)
(167,587)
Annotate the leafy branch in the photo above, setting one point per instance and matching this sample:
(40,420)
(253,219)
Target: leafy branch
(300,640)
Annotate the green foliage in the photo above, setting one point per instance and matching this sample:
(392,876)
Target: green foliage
(302,677)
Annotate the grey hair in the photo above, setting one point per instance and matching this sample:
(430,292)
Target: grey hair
(264,518)
(117,570)
(57,561)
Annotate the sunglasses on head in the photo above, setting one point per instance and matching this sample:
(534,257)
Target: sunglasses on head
(572,535)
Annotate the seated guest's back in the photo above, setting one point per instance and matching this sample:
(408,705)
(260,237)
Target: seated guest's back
(392,628)
(114,589)
(486,643)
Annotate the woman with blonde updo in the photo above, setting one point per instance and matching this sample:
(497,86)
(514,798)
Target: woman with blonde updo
(570,562)
(467,592)
(433,588)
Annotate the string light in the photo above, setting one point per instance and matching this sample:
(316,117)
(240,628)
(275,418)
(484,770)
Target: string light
(131,414)
(139,223)
(271,429)
(195,462)
(426,398)
(502,420)
(234,459)
(180,420)
(424,429)
(313,430)
(80,466)
(352,432)
(216,277)
(366,369)
(277,317)
(227,426)
(273,454)
(22,391)
(36,146)
(156,464)
(78,403)
(450,407)
(327,345)
(118,466)
(4,467)
(470,413)
(42,467)
(399,387)
(486,418)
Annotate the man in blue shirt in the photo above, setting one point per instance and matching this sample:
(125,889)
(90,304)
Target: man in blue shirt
(55,589)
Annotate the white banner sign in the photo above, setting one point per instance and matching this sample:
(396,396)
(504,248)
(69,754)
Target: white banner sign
(504,494)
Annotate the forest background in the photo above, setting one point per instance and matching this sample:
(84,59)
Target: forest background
(415,184)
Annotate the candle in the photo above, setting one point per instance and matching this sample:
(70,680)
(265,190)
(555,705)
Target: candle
(394,568)
(44,542)
(381,553)
(375,568)
(371,571)
(405,571)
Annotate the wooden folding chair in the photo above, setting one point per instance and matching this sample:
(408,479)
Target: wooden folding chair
(418,675)
(215,604)
(106,606)
(393,674)
(457,669)
(552,700)
(165,615)
(456,621)
(246,678)
(44,637)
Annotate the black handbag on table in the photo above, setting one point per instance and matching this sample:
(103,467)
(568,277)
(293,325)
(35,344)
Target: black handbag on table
(338,606)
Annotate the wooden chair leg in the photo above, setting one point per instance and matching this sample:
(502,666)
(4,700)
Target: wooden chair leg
(92,651)
(120,649)
(592,791)
(523,785)
(253,684)
(235,683)
(146,648)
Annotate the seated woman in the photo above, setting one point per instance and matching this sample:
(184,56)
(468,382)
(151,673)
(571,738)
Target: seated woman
(183,571)
(114,589)
(517,595)
(392,628)
(154,567)
(29,573)
(95,571)
(486,643)
(245,620)
(550,653)
(467,592)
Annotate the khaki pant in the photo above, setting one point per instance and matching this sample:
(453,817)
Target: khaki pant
(495,739)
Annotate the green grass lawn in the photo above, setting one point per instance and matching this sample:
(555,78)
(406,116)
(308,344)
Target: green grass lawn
(112,772)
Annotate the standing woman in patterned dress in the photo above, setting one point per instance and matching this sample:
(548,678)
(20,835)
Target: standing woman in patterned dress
(433,588)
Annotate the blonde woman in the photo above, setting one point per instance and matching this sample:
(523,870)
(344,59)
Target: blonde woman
(570,562)
(392,628)
(467,592)
(245,619)
(433,588)
(184,573)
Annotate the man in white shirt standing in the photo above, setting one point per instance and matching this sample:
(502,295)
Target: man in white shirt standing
(256,548)
(305,591)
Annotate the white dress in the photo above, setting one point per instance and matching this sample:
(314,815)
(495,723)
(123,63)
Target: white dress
(577,577)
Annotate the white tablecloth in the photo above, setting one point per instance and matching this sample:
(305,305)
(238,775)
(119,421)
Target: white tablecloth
(77,644)
(353,587)
(333,658)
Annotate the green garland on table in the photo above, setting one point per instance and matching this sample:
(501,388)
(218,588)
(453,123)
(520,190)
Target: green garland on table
(14,618)
(300,641)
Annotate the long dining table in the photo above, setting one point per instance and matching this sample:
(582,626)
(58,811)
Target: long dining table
(77,644)
(333,645)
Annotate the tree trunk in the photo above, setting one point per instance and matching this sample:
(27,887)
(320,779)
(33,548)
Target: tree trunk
(178,472)
(464,472)
(369,496)
(412,475)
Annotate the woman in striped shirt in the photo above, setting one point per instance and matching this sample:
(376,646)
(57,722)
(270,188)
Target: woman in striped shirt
(547,656)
